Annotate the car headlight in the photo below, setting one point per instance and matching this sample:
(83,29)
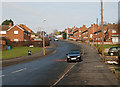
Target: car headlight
(78,56)
(68,56)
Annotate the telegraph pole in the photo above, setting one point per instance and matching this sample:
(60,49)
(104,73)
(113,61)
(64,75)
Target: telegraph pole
(93,34)
(97,32)
(102,29)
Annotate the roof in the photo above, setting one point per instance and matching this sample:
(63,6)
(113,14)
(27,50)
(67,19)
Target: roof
(4,27)
(19,28)
(14,26)
(25,27)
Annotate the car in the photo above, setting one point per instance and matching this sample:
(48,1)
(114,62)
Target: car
(55,39)
(113,51)
(50,39)
(74,56)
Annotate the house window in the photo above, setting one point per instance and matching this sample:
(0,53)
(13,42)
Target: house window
(90,35)
(3,32)
(15,32)
(15,39)
(113,31)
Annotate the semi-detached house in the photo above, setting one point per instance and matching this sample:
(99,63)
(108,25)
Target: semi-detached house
(15,33)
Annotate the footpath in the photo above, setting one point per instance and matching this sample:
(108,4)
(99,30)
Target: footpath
(91,71)
(49,50)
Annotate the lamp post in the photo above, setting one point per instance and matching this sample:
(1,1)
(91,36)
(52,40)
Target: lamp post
(97,32)
(102,29)
(43,40)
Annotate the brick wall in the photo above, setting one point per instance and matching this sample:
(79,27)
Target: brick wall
(12,36)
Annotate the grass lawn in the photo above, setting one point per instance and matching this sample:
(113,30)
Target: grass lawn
(17,52)
(108,46)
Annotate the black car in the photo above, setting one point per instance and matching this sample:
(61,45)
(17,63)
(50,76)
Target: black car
(73,56)
(113,51)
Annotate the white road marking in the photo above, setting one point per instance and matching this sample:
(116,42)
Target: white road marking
(19,70)
(2,75)
(63,75)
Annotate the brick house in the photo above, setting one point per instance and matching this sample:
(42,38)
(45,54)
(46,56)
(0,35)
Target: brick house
(3,29)
(94,32)
(17,33)
(14,33)
(83,33)
(113,33)
(76,33)
(70,33)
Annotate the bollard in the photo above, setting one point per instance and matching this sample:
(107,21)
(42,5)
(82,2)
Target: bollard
(29,52)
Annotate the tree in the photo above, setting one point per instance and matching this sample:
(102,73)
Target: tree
(56,32)
(64,35)
(6,22)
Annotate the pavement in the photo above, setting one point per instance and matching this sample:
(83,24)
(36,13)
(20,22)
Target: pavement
(49,49)
(50,71)
(92,71)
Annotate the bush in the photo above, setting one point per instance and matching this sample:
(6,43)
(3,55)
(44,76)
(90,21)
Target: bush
(64,35)
(100,49)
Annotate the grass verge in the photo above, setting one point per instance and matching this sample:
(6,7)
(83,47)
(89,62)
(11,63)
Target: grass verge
(17,52)
(108,46)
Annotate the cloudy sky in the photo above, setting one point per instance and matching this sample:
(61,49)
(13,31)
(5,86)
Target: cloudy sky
(58,15)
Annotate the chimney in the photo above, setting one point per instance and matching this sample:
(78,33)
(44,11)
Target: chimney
(10,24)
(84,26)
(91,25)
(113,23)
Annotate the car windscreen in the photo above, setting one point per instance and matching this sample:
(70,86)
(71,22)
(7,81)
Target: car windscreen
(74,52)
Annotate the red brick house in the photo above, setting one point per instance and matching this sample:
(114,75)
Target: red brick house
(94,33)
(15,33)
(76,33)
(83,32)
(3,29)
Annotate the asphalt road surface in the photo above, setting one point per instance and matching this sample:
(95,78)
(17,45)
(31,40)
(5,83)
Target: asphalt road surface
(53,69)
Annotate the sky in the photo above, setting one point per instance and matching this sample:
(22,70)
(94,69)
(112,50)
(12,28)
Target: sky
(58,15)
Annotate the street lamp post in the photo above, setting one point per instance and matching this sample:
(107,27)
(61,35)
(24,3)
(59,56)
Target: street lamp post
(97,32)
(102,29)
(43,40)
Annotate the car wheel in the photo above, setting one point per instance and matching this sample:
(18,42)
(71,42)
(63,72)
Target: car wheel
(68,60)
(79,60)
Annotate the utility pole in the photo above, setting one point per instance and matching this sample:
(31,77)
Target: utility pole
(93,34)
(102,29)
(97,32)
(88,37)
(67,33)
(43,40)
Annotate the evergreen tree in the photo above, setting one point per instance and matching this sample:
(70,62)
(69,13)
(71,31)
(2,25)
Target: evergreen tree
(6,22)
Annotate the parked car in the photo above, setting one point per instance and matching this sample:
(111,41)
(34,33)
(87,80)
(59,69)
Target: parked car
(74,56)
(55,39)
(113,51)
(50,39)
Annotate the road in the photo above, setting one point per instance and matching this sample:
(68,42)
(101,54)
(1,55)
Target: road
(54,70)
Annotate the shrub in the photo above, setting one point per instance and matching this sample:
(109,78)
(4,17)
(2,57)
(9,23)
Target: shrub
(100,49)
(64,35)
